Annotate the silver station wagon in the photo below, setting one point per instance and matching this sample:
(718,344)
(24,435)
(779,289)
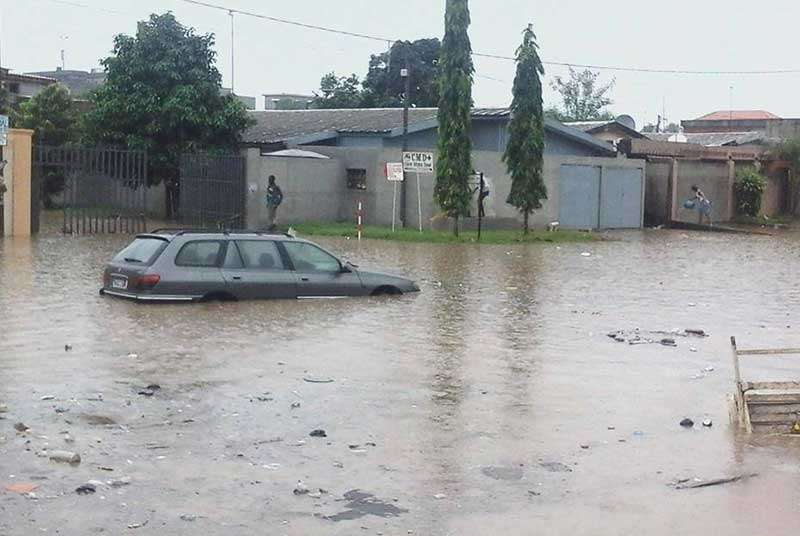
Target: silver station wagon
(185,265)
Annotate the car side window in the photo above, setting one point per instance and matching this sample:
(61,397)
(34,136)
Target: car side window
(260,255)
(310,258)
(199,253)
(233,259)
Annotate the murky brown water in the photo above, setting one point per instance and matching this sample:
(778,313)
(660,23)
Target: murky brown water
(454,396)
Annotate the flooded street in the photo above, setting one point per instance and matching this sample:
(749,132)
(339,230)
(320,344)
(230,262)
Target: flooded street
(493,402)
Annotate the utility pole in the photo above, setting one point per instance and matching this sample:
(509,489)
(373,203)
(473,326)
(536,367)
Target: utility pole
(406,74)
(233,36)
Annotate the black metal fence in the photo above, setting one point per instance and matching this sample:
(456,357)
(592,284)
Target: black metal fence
(102,190)
(212,191)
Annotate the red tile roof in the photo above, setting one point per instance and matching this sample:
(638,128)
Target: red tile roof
(738,115)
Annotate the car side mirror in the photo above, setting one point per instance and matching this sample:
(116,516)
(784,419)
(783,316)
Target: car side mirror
(345,269)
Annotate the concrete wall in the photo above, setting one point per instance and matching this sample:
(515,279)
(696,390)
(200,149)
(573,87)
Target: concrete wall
(713,177)
(316,190)
(716,179)
(312,189)
(772,203)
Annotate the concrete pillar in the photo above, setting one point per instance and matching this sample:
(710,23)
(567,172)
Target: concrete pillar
(17,200)
(731,188)
(256,187)
(673,191)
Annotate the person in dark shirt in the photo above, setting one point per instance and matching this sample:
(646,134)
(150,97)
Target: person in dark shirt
(274,200)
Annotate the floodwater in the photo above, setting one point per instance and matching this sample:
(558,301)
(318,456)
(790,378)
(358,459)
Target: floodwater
(490,403)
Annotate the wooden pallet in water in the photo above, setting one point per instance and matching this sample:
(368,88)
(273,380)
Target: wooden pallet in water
(772,406)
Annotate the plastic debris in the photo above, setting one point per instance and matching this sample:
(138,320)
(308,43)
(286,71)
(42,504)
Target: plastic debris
(64,456)
(707,423)
(86,489)
(697,483)
(21,487)
(300,488)
(687,423)
(318,433)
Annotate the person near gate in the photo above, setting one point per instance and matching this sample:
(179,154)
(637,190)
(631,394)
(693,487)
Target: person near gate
(274,200)
(702,204)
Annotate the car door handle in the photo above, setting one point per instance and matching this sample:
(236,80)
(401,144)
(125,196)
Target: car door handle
(303,279)
(237,278)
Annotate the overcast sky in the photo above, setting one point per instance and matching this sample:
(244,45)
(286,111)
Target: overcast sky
(270,57)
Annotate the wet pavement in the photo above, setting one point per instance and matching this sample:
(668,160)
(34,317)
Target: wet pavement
(492,402)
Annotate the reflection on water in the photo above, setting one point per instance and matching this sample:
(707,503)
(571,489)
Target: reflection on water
(501,362)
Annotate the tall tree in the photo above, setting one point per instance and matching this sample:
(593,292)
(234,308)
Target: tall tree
(583,98)
(338,92)
(524,152)
(162,93)
(54,119)
(384,86)
(51,115)
(454,163)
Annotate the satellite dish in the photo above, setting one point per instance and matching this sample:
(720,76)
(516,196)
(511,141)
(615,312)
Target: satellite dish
(626,120)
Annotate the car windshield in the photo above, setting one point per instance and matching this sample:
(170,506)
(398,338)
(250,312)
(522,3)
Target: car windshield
(141,251)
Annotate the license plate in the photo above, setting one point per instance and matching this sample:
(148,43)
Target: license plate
(119,283)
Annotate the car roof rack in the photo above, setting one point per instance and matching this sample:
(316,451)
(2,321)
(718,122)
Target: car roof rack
(178,231)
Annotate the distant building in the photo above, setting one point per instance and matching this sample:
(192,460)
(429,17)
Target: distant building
(79,83)
(612,131)
(22,87)
(249,102)
(287,101)
(729,121)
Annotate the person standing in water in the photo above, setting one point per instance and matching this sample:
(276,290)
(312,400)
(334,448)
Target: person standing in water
(274,200)
(702,204)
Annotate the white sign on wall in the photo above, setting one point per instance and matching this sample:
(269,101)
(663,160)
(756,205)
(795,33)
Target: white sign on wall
(394,171)
(418,162)
(3,129)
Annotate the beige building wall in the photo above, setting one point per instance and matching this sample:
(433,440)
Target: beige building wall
(17,201)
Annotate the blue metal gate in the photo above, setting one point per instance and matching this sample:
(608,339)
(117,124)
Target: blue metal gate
(595,197)
(579,196)
(621,198)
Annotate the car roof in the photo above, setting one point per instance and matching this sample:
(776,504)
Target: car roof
(171,234)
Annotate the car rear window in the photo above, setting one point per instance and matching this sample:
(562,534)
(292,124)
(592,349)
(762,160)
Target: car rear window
(141,251)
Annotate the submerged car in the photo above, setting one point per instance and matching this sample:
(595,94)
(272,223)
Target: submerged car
(186,265)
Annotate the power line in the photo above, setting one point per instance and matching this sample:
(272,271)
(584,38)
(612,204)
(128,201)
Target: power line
(87,6)
(495,56)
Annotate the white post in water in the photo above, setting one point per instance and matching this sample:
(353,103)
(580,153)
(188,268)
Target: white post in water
(394,204)
(419,204)
(360,221)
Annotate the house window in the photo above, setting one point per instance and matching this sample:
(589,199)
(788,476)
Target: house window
(13,87)
(356,179)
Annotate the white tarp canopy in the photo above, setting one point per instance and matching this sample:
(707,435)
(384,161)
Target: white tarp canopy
(298,153)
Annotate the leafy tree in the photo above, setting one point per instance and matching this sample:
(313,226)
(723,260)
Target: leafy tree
(51,115)
(384,87)
(162,94)
(583,98)
(454,163)
(524,152)
(749,186)
(338,92)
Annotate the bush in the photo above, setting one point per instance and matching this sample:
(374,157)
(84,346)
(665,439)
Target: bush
(750,186)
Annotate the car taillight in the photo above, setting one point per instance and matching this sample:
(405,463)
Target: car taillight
(147,282)
(106,279)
